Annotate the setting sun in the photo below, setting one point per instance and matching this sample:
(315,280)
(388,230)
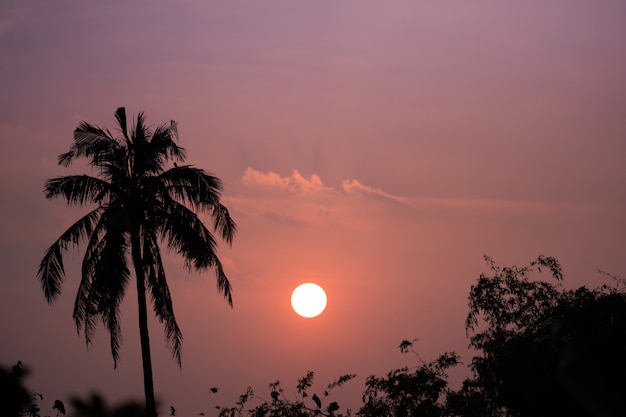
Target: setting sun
(308,300)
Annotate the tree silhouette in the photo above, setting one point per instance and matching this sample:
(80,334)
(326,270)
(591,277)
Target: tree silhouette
(540,350)
(15,399)
(405,392)
(96,406)
(279,406)
(140,202)
(544,351)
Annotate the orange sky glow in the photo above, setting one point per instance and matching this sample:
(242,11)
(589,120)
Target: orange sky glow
(379,149)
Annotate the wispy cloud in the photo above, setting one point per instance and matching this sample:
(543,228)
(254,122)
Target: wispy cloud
(354,186)
(296,182)
(297,199)
(310,200)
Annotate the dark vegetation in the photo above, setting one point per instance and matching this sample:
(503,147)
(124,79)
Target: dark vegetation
(142,197)
(540,350)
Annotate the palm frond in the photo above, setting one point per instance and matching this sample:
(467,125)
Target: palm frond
(187,235)
(203,191)
(112,323)
(141,131)
(193,186)
(109,285)
(120,116)
(160,295)
(88,269)
(164,147)
(81,302)
(105,275)
(223,284)
(223,223)
(51,271)
(90,323)
(90,142)
(77,189)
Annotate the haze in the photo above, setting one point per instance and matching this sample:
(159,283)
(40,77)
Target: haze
(379,149)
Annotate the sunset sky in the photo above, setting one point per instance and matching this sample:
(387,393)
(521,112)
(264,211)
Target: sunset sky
(377,148)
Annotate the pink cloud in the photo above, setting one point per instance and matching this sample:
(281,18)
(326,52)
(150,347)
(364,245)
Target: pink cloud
(306,200)
(296,182)
(352,186)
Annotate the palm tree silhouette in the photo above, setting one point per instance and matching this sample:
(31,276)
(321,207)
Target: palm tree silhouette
(139,203)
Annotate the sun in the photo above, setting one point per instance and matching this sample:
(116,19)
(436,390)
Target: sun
(308,300)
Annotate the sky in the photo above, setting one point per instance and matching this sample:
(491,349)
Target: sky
(379,149)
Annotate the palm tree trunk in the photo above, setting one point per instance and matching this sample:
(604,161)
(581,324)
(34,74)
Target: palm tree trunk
(148,382)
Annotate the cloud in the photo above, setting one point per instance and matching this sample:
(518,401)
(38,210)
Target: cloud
(296,182)
(353,186)
(297,200)
(302,200)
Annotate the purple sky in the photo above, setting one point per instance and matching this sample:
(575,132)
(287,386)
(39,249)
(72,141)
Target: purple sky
(376,148)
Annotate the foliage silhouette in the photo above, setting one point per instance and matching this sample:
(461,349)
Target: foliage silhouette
(15,399)
(96,406)
(279,406)
(545,351)
(59,406)
(541,350)
(404,392)
(140,201)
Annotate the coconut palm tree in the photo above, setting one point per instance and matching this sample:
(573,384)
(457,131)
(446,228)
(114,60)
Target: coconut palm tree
(143,198)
